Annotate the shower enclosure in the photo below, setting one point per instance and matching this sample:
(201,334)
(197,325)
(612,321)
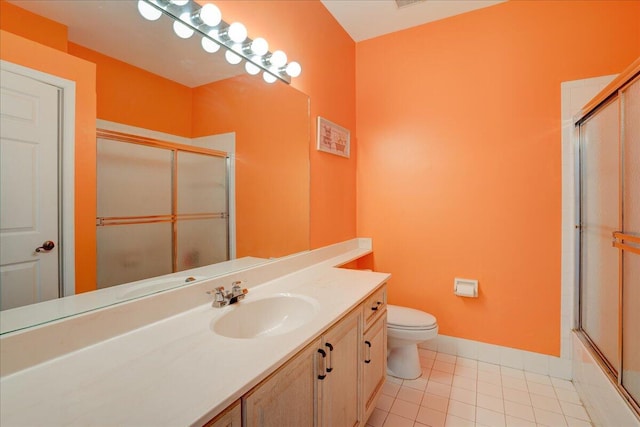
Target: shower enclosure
(162,207)
(609,224)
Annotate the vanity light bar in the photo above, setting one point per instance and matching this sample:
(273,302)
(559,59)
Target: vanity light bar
(189,17)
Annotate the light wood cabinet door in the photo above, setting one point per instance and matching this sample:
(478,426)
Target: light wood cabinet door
(287,397)
(338,392)
(374,363)
(230,417)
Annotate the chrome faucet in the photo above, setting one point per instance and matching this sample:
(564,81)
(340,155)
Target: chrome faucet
(222,298)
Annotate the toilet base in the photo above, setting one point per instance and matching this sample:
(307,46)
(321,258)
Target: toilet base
(403,362)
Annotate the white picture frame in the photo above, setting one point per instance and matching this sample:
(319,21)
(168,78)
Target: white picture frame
(332,138)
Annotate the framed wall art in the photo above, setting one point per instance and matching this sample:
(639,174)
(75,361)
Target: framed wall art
(332,138)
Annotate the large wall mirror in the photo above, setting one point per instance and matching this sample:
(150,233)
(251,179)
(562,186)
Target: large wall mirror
(150,80)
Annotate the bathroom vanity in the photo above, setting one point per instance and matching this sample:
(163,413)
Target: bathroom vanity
(196,367)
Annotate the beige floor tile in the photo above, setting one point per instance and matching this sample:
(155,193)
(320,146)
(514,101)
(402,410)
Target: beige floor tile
(394,420)
(384,402)
(463,395)
(431,417)
(490,402)
(453,421)
(464,382)
(574,411)
(404,409)
(410,395)
(548,418)
(440,389)
(433,401)
(462,410)
(519,410)
(518,422)
(441,377)
(490,418)
(377,418)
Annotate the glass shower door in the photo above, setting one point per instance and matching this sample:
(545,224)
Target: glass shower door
(600,214)
(631,227)
(202,210)
(134,204)
(610,235)
(162,208)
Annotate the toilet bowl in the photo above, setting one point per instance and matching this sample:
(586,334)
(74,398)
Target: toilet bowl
(406,328)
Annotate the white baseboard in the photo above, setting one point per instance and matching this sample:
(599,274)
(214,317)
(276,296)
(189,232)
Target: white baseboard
(504,356)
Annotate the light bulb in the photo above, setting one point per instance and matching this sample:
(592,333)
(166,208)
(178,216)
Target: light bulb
(237,32)
(209,45)
(293,69)
(269,78)
(181,30)
(210,15)
(251,68)
(179,2)
(259,46)
(278,59)
(147,11)
(232,58)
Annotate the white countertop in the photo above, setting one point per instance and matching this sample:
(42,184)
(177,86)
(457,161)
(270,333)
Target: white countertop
(46,311)
(175,372)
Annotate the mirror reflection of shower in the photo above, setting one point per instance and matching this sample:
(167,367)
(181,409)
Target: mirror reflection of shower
(162,208)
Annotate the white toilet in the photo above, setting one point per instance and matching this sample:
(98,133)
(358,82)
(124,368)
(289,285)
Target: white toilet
(406,327)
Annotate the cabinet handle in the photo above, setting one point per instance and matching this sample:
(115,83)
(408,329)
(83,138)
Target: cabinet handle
(329,364)
(368,356)
(375,307)
(323,375)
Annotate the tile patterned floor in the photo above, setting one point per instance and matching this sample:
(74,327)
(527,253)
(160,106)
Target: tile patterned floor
(454,391)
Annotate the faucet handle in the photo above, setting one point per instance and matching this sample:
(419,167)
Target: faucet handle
(236,288)
(218,293)
(219,297)
(237,291)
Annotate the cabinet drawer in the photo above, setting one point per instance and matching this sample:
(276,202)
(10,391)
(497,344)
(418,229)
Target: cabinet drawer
(374,306)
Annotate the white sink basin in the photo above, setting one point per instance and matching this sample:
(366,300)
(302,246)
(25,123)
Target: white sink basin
(265,317)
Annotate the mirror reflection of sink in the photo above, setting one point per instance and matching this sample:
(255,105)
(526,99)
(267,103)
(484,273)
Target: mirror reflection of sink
(157,285)
(269,316)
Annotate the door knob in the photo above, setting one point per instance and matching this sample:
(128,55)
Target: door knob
(46,246)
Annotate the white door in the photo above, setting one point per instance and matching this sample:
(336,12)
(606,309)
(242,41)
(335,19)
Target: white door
(29,133)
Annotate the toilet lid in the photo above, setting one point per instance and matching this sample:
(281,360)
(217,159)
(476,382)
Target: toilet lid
(409,318)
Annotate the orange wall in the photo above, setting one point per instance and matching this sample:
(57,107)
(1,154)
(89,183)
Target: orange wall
(272,132)
(146,100)
(459,158)
(33,27)
(308,33)
(19,50)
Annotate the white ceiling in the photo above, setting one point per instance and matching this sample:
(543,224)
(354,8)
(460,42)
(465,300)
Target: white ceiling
(365,19)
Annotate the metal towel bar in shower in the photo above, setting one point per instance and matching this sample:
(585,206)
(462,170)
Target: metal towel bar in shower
(619,236)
